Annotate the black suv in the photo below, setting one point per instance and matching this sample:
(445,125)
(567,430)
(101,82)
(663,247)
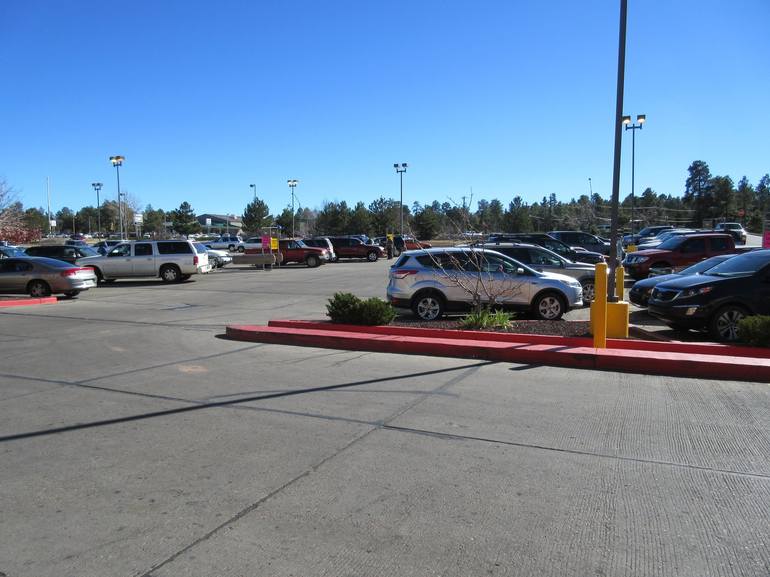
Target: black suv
(67,253)
(717,300)
(547,241)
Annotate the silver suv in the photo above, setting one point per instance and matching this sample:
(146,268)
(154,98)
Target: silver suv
(433,281)
(543,260)
(171,260)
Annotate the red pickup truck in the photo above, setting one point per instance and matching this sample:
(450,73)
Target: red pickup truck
(678,252)
(294,250)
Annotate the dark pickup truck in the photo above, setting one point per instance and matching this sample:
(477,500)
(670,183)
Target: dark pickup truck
(678,252)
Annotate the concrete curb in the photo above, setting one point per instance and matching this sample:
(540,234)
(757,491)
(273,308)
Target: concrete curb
(505,347)
(27,302)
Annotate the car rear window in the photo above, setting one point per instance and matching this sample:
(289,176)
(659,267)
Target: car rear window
(174,247)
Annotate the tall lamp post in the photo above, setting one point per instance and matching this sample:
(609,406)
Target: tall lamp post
(292,185)
(98,187)
(254,188)
(401,169)
(640,119)
(117,162)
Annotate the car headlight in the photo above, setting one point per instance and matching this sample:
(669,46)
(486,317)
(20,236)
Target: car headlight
(693,292)
(575,284)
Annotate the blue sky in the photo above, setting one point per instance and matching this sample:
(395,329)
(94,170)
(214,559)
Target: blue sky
(501,97)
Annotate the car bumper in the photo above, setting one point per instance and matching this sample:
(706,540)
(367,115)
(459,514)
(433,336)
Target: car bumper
(637,271)
(639,298)
(690,316)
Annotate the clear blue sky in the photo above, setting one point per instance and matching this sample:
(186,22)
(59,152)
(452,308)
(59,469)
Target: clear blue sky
(507,97)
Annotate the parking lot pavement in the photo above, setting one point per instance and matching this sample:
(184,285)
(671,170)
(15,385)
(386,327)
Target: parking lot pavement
(135,441)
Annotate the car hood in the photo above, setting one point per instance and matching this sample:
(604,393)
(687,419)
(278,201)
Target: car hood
(655,280)
(556,276)
(579,266)
(690,281)
(649,252)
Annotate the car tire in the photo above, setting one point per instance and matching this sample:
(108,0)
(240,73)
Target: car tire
(98,273)
(589,291)
(372,256)
(723,325)
(428,305)
(38,289)
(313,261)
(241,249)
(548,306)
(170,273)
(336,258)
(231,247)
(71,294)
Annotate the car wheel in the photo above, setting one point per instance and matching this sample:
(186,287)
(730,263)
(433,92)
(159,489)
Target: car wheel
(312,261)
(241,249)
(231,247)
(38,289)
(336,258)
(71,294)
(428,306)
(724,323)
(170,273)
(372,256)
(589,291)
(99,276)
(548,306)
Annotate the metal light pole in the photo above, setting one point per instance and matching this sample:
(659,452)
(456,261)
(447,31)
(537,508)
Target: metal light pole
(640,118)
(117,162)
(616,160)
(98,187)
(254,187)
(401,169)
(292,185)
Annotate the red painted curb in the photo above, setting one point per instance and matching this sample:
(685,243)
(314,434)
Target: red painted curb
(26,302)
(621,344)
(636,361)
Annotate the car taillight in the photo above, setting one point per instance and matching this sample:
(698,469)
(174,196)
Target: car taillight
(195,260)
(402,272)
(74,271)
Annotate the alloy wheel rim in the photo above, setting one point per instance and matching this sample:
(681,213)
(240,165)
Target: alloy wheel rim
(428,309)
(550,307)
(727,324)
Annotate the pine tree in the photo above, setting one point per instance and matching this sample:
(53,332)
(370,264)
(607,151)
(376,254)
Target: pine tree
(255,216)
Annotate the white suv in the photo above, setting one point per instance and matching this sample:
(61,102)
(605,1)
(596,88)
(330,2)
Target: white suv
(433,281)
(171,260)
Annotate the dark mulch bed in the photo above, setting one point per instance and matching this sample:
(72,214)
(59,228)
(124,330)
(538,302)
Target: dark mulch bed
(559,328)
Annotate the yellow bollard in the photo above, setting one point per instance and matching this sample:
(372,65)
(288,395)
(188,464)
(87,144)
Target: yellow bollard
(620,289)
(599,307)
(617,313)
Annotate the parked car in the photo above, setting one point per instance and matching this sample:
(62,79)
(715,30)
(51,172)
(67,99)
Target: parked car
(543,260)
(655,241)
(717,300)
(171,260)
(555,245)
(67,253)
(322,242)
(8,251)
(646,233)
(586,240)
(735,229)
(354,247)
(41,277)
(229,242)
(678,252)
(295,250)
(217,258)
(639,294)
(433,281)
(402,243)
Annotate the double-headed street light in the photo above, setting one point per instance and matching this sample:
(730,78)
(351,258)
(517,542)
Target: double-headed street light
(401,169)
(640,119)
(117,162)
(98,187)
(292,185)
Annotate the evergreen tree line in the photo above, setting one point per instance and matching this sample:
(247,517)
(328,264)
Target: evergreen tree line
(707,199)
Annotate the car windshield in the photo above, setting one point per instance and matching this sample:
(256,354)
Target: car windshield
(704,265)
(9,251)
(87,251)
(672,243)
(742,265)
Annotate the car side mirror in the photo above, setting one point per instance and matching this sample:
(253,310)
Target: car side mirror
(519,271)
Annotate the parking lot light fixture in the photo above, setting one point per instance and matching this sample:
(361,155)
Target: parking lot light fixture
(97,186)
(117,162)
(254,188)
(292,185)
(640,120)
(401,169)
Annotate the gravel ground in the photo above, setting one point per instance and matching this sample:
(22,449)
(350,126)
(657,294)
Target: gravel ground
(531,327)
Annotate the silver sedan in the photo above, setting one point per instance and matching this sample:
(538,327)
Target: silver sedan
(41,277)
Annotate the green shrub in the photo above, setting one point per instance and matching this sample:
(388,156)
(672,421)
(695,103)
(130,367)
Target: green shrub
(755,330)
(349,309)
(342,307)
(486,319)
